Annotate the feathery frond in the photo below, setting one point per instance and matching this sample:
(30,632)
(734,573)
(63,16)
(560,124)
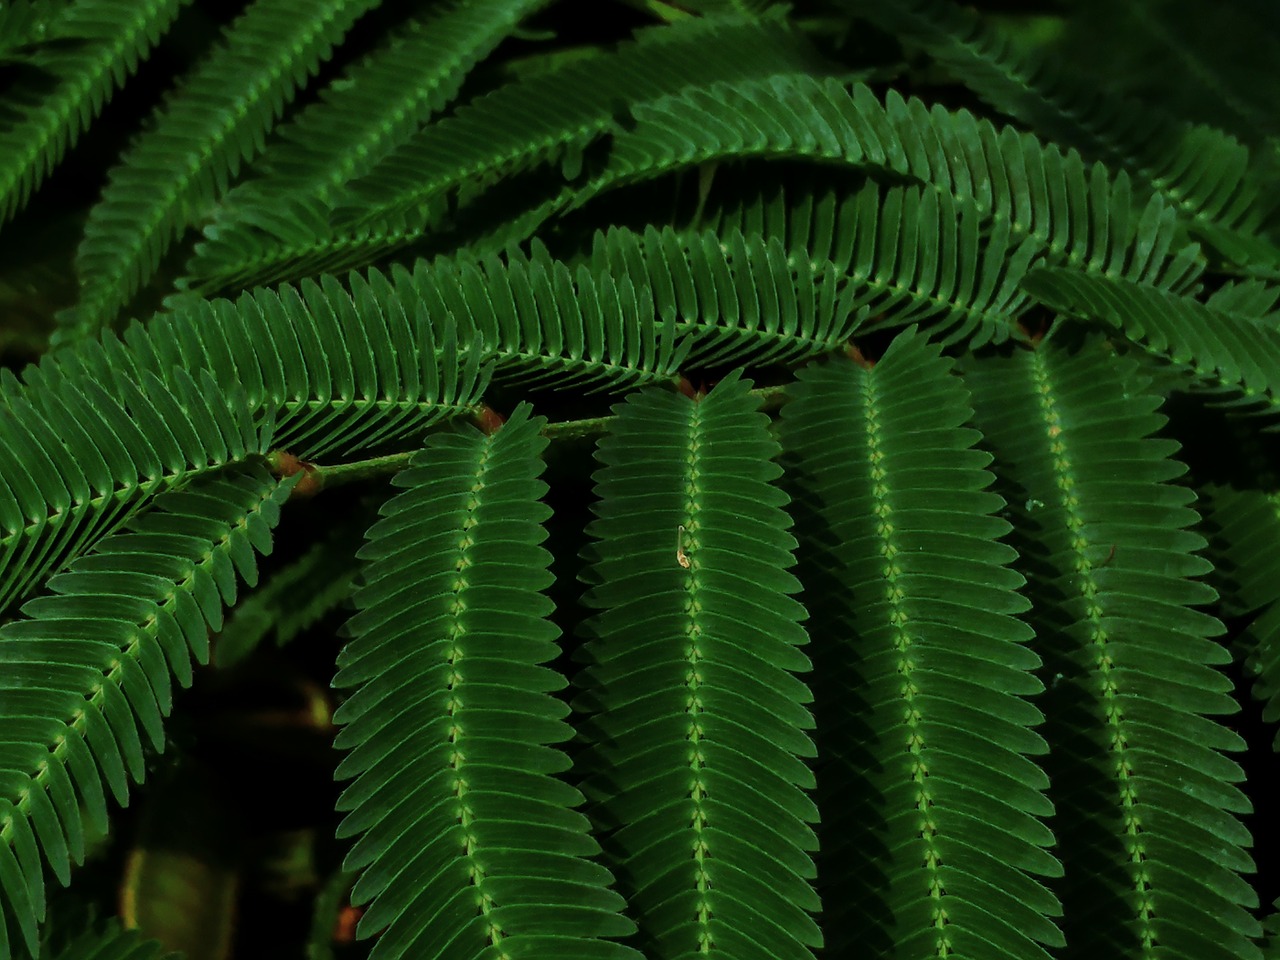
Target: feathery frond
(450,161)
(216,122)
(1201,172)
(697,719)
(102,428)
(1232,354)
(469,845)
(546,324)
(908,256)
(931,809)
(85,673)
(358,120)
(87,49)
(1147,804)
(1077,214)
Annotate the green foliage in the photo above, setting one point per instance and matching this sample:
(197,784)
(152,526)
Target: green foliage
(86,51)
(108,943)
(913,601)
(696,715)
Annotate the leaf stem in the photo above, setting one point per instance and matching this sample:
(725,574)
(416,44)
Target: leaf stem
(338,474)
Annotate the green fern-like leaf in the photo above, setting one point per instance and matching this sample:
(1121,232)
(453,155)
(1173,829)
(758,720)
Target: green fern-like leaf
(217,121)
(86,672)
(932,836)
(1059,202)
(78,464)
(103,427)
(732,299)
(546,324)
(358,121)
(87,49)
(469,845)
(1147,804)
(409,191)
(908,255)
(1202,173)
(586,95)
(637,309)
(697,718)
(1229,353)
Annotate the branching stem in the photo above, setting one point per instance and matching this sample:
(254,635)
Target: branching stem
(338,474)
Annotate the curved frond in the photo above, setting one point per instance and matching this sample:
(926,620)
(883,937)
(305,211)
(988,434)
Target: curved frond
(1227,352)
(216,121)
(499,134)
(357,121)
(1147,807)
(85,673)
(908,255)
(450,161)
(469,845)
(87,50)
(77,464)
(546,324)
(1024,189)
(1201,172)
(932,832)
(697,718)
(101,428)
(637,310)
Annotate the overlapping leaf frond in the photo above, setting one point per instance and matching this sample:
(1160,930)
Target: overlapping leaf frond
(697,718)
(214,123)
(469,844)
(1020,187)
(85,673)
(1227,352)
(80,457)
(1147,807)
(496,134)
(451,162)
(1201,172)
(1242,524)
(734,298)
(638,308)
(109,943)
(82,52)
(101,428)
(932,832)
(547,324)
(908,255)
(357,121)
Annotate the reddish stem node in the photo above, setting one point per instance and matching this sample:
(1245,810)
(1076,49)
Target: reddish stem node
(857,356)
(285,464)
(488,419)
